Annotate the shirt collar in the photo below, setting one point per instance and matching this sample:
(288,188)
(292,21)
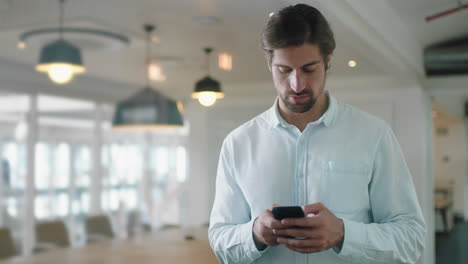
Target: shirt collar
(275,119)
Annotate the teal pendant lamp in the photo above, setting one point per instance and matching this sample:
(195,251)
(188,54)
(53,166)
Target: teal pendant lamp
(147,109)
(60,59)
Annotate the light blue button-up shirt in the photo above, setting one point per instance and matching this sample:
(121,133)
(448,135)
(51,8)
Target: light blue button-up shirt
(348,160)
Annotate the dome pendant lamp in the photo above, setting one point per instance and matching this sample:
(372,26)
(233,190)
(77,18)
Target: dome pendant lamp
(147,109)
(207,90)
(60,59)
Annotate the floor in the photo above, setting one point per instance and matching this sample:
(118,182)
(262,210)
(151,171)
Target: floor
(452,248)
(169,245)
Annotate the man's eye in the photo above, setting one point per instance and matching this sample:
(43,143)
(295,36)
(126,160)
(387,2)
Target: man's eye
(308,70)
(284,69)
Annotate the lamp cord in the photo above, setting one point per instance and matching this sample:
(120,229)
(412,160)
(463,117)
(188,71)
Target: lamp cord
(147,57)
(61,3)
(208,63)
(208,53)
(148,29)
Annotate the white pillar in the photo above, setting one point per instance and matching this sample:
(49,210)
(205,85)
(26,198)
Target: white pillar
(2,188)
(96,175)
(466,169)
(198,194)
(72,193)
(146,182)
(53,209)
(29,192)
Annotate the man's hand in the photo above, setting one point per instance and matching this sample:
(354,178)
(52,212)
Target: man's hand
(263,229)
(311,234)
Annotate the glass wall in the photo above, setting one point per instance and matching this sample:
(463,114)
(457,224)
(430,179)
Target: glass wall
(13,108)
(64,168)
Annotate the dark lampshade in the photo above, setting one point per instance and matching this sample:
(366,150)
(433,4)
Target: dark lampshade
(60,51)
(147,109)
(207,84)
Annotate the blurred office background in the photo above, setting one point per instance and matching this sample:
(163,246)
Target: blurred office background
(62,159)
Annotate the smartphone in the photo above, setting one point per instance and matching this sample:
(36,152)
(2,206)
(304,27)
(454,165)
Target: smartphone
(287,212)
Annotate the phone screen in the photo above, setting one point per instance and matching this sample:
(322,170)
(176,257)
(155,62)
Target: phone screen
(287,212)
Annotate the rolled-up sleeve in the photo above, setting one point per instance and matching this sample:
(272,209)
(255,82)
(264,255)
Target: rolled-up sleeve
(397,234)
(230,231)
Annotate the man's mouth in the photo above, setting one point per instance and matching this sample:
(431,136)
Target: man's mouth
(299,98)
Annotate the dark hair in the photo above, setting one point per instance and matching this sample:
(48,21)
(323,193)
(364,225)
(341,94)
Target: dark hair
(296,25)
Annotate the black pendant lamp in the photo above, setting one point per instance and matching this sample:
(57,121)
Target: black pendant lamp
(207,90)
(147,109)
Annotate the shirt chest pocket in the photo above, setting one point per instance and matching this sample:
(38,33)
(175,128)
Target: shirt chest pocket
(346,187)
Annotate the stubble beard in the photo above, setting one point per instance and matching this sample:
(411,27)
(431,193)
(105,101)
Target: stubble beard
(299,107)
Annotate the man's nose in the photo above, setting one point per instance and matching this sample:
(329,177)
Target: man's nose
(297,82)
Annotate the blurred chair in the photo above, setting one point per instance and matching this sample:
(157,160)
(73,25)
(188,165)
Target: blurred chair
(443,205)
(98,227)
(170,226)
(136,224)
(7,247)
(51,234)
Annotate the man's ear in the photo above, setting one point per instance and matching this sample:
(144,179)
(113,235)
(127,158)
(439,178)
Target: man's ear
(328,62)
(269,59)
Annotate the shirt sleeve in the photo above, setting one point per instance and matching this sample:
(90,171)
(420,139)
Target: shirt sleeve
(397,234)
(230,231)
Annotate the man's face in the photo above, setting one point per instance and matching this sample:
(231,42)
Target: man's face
(299,76)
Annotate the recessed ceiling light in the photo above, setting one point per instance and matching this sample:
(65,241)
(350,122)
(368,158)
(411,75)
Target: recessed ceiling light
(21,45)
(352,63)
(207,20)
(155,39)
(225,61)
(155,72)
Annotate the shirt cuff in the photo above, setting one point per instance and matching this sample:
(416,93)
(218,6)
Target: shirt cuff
(355,236)
(248,242)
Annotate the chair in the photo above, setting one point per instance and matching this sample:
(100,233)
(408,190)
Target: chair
(98,227)
(443,205)
(51,234)
(135,224)
(170,226)
(7,247)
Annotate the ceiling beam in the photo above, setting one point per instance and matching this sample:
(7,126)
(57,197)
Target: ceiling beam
(448,86)
(20,78)
(376,25)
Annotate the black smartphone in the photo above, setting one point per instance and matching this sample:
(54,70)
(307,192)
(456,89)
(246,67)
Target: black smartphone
(287,212)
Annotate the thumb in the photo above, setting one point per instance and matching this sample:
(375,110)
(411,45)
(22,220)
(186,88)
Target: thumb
(314,208)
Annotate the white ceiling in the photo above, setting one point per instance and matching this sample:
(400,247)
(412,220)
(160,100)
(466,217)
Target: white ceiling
(238,32)
(414,13)
(385,37)
(449,93)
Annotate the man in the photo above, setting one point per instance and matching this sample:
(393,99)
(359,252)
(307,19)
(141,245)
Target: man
(345,167)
